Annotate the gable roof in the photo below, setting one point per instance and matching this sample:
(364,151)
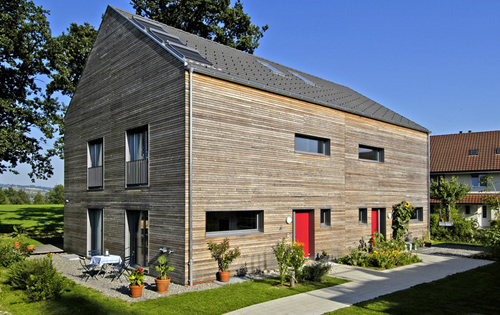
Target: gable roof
(450,153)
(217,60)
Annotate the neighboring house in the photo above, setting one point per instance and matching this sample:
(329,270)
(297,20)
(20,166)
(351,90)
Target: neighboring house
(173,141)
(469,157)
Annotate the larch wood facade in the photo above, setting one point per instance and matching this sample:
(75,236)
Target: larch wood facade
(243,158)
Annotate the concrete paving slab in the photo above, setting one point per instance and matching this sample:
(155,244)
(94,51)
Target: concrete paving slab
(45,249)
(366,284)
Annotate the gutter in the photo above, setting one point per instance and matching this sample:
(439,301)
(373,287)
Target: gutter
(190,162)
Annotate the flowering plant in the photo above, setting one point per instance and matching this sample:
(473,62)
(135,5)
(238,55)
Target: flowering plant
(136,277)
(222,254)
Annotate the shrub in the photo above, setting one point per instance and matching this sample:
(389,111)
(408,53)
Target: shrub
(282,254)
(10,255)
(297,259)
(490,238)
(315,272)
(222,254)
(355,258)
(462,230)
(39,278)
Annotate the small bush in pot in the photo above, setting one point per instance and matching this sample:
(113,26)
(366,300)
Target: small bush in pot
(136,280)
(163,281)
(224,257)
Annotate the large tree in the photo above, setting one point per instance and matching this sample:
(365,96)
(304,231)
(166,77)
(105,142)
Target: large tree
(33,66)
(448,193)
(56,195)
(212,19)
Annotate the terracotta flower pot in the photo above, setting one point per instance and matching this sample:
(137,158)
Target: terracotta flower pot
(162,285)
(223,276)
(16,245)
(136,290)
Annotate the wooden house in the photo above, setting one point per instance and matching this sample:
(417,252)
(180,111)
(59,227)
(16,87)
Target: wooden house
(173,141)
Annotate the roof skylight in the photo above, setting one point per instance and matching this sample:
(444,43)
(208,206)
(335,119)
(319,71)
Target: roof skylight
(273,69)
(306,80)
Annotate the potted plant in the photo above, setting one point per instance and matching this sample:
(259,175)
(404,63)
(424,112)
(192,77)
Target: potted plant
(136,279)
(224,256)
(163,281)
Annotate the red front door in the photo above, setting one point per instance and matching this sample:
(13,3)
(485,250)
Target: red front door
(374,221)
(304,230)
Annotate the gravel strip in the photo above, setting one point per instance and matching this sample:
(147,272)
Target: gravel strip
(71,269)
(452,250)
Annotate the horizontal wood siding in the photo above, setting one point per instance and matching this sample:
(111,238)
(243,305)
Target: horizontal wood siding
(129,81)
(244,159)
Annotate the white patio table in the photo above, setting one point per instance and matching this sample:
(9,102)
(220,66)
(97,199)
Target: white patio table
(102,260)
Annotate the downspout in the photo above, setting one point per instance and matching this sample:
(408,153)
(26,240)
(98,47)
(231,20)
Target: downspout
(190,162)
(428,185)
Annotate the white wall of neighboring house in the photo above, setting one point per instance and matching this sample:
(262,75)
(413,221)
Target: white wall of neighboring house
(476,210)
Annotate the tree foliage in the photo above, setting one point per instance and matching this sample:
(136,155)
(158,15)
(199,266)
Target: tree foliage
(493,199)
(401,215)
(39,199)
(56,195)
(33,67)
(448,193)
(14,196)
(212,19)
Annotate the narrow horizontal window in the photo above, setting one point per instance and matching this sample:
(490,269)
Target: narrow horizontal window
(371,153)
(311,144)
(363,215)
(234,222)
(325,217)
(418,214)
(474,152)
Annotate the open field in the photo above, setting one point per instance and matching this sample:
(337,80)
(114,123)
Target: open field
(81,300)
(43,223)
(471,292)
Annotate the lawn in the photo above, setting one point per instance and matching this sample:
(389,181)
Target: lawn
(41,222)
(82,300)
(471,292)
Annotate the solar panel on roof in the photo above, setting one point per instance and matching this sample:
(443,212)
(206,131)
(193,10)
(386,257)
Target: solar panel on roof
(147,24)
(166,37)
(302,78)
(273,69)
(189,53)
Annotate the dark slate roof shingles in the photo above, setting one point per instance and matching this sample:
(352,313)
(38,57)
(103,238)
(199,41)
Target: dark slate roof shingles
(244,67)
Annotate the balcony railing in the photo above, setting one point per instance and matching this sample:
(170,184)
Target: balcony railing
(137,172)
(94,177)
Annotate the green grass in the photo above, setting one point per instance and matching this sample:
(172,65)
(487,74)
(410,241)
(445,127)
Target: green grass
(472,292)
(81,300)
(43,223)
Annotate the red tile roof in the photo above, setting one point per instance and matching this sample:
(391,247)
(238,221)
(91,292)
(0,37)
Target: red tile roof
(469,199)
(450,153)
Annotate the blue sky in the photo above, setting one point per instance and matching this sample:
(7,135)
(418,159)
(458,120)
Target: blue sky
(435,62)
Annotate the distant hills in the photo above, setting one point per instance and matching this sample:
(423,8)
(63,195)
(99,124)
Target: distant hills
(30,189)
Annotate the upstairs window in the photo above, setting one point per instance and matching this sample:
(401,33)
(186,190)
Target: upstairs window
(363,215)
(497,150)
(94,164)
(479,180)
(371,153)
(417,215)
(325,218)
(137,157)
(314,145)
(474,152)
(220,223)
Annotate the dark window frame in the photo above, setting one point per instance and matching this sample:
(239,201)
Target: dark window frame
(380,153)
(473,152)
(497,151)
(363,215)
(259,223)
(417,215)
(324,147)
(325,217)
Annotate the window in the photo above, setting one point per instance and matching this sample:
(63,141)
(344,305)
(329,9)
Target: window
(306,80)
(325,217)
(94,164)
(234,222)
(479,180)
(137,237)
(363,215)
(436,178)
(485,212)
(474,152)
(497,150)
(313,145)
(418,214)
(370,153)
(467,209)
(268,66)
(94,230)
(137,157)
